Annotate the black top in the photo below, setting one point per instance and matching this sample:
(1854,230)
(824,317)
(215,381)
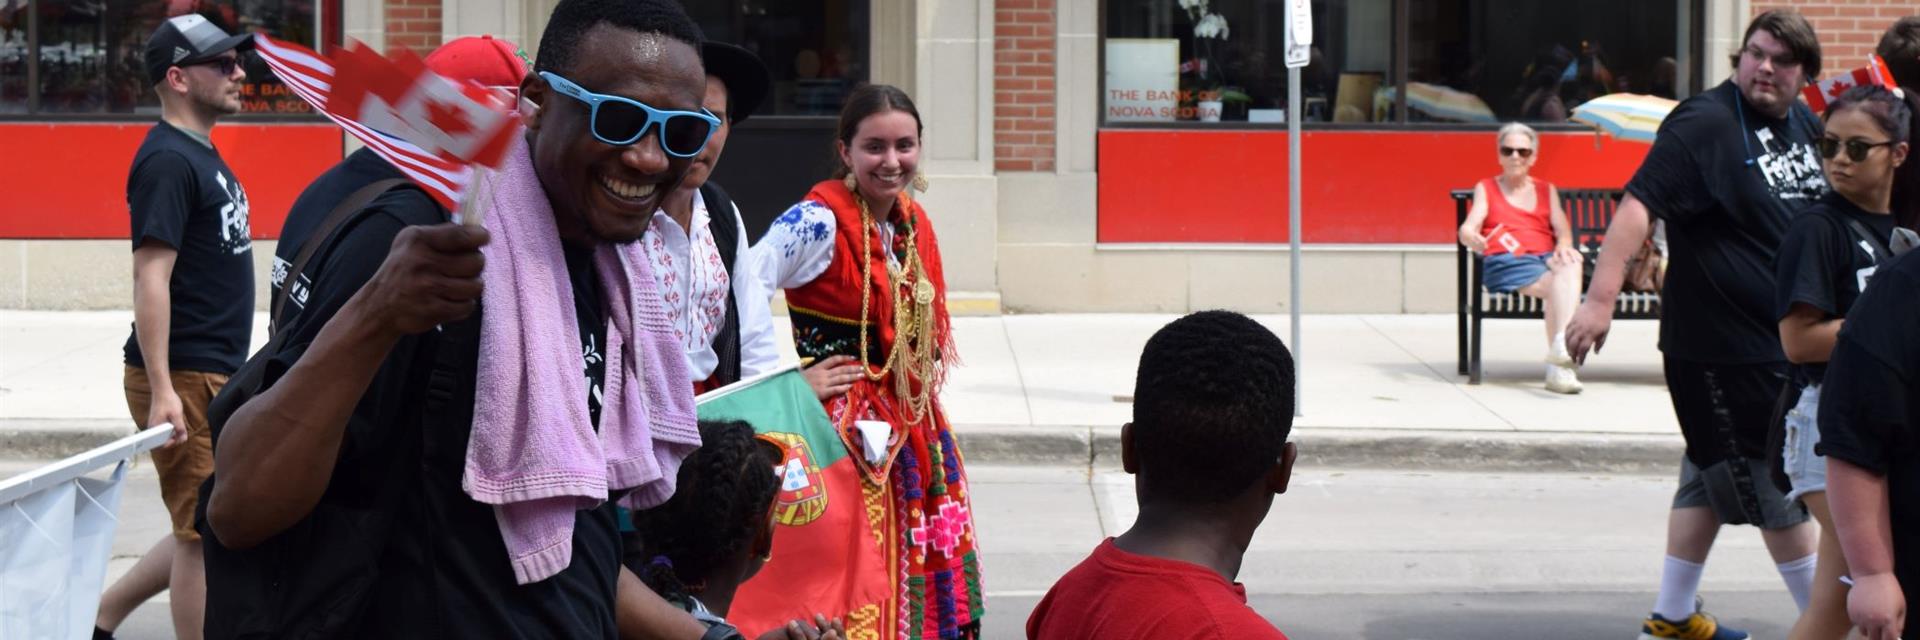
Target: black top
(1727,191)
(181,194)
(445,572)
(359,169)
(1870,404)
(1825,264)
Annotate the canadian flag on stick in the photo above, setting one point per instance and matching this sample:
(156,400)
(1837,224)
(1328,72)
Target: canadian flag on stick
(435,130)
(1828,90)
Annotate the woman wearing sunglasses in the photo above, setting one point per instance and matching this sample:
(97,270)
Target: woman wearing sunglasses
(861,268)
(1827,259)
(1516,222)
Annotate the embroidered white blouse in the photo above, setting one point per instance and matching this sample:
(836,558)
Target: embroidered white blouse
(694,283)
(799,246)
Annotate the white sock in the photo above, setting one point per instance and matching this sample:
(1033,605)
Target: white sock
(1798,575)
(1679,583)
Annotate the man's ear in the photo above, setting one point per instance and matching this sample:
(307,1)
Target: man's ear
(175,82)
(534,92)
(1127,461)
(763,541)
(1282,471)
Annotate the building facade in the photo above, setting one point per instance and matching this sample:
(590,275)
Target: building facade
(1084,155)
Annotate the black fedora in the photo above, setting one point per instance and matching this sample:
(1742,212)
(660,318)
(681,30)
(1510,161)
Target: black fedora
(747,79)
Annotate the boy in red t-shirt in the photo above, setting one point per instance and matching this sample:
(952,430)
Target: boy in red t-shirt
(1213,402)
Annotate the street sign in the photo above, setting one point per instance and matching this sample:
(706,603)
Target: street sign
(1299,33)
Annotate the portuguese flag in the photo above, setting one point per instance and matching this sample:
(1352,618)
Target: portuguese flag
(830,544)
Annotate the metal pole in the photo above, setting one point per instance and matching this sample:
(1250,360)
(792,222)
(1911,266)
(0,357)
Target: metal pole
(1294,115)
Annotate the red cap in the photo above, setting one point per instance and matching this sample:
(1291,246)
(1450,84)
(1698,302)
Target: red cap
(484,60)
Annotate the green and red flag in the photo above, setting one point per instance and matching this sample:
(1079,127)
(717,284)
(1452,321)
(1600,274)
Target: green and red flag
(829,551)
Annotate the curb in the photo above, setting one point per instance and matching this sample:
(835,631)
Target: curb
(52,439)
(1375,448)
(1012,444)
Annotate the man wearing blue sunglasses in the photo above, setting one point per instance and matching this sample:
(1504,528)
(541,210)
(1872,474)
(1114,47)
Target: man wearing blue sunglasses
(343,449)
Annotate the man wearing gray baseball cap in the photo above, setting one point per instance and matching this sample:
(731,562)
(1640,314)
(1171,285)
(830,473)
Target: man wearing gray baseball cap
(192,297)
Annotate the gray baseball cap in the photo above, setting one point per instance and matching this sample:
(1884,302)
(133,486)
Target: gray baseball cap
(188,39)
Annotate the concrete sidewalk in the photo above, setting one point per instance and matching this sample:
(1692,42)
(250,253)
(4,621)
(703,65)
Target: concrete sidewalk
(1379,391)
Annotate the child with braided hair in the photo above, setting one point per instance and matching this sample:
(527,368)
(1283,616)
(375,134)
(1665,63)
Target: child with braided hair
(717,530)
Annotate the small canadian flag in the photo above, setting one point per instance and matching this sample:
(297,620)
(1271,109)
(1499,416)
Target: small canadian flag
(402,98)
(1828,90)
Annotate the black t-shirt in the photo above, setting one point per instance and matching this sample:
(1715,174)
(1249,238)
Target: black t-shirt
(1825,264)
(1870,402)
(445,572)
(359,169)
(181,194)
(1727,190)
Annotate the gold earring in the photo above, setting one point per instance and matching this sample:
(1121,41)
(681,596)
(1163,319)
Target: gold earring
(853,185)
(919,182)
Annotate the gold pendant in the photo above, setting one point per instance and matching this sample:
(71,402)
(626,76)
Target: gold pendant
(923,292)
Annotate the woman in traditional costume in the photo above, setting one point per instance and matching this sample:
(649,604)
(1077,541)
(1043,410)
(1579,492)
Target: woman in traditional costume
(861,269)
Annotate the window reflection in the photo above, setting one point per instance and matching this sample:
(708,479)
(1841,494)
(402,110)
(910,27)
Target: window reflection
(816,50)
(91,52)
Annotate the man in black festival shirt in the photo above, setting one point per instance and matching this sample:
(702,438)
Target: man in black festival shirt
(192,295)
(344,435)
(1728,171)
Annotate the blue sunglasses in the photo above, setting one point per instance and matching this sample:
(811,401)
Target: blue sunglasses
(621,121)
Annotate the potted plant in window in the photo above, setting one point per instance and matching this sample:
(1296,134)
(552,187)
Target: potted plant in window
(1209,32)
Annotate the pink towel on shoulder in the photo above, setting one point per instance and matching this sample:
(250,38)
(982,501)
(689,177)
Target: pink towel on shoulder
(534,453)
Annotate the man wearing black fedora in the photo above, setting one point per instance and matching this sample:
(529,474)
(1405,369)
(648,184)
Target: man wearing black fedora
(698,246)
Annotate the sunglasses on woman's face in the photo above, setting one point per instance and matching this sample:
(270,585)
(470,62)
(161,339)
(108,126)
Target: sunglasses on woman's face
(1857,149)
(1516,151)
(621,121)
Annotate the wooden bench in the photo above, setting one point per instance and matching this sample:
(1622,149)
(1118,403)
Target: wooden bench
(1589,210)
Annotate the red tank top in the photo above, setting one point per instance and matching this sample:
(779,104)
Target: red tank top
(1519,231)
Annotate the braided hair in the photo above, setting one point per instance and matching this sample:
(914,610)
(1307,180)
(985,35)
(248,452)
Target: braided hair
(725,490)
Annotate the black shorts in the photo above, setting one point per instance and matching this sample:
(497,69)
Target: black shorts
(1724,409)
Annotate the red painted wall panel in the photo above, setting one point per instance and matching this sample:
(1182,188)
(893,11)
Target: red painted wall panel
(1359,186)
(69,180)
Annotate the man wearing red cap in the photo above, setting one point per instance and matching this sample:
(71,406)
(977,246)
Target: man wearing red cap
(484,60)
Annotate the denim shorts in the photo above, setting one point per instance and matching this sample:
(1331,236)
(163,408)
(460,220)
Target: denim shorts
(1507,273)
(1805,469)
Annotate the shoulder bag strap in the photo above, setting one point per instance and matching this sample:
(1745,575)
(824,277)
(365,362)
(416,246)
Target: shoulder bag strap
(1885,253)
(353,204)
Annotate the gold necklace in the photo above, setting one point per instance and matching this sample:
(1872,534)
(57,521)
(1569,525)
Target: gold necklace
(912,318)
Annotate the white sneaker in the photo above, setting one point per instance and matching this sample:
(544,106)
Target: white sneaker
(1561,379)
(1557,352)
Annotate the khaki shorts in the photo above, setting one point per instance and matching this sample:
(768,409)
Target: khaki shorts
(183,467)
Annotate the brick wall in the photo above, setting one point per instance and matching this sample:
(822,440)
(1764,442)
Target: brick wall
(414,24)
(1848,29)
(1023,41)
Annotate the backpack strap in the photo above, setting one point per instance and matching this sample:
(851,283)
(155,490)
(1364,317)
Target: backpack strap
(320,237)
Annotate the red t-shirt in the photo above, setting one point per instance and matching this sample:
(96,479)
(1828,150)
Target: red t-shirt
(1115,595)
(1530,230)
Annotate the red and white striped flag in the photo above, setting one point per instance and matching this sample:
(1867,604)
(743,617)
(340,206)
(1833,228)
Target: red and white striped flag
(1828,90)
(431,128)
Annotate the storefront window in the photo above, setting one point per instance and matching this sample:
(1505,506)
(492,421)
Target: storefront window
(816,50)
(13,58)
(1222,60)
(90,53)
(1468,61)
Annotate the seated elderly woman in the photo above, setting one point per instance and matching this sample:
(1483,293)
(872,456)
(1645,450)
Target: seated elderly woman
(1518,225)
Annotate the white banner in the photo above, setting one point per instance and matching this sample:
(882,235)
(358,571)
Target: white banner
(56,535)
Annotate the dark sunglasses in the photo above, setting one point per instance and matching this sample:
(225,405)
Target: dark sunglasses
(1513,151)
(621,121)
(1857,149)
(226,65)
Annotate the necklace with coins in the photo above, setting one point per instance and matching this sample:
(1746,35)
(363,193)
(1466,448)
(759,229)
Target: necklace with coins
(913,340)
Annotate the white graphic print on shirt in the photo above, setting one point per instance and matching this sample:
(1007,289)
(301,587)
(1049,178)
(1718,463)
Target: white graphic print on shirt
(236,232)
(1792,169)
